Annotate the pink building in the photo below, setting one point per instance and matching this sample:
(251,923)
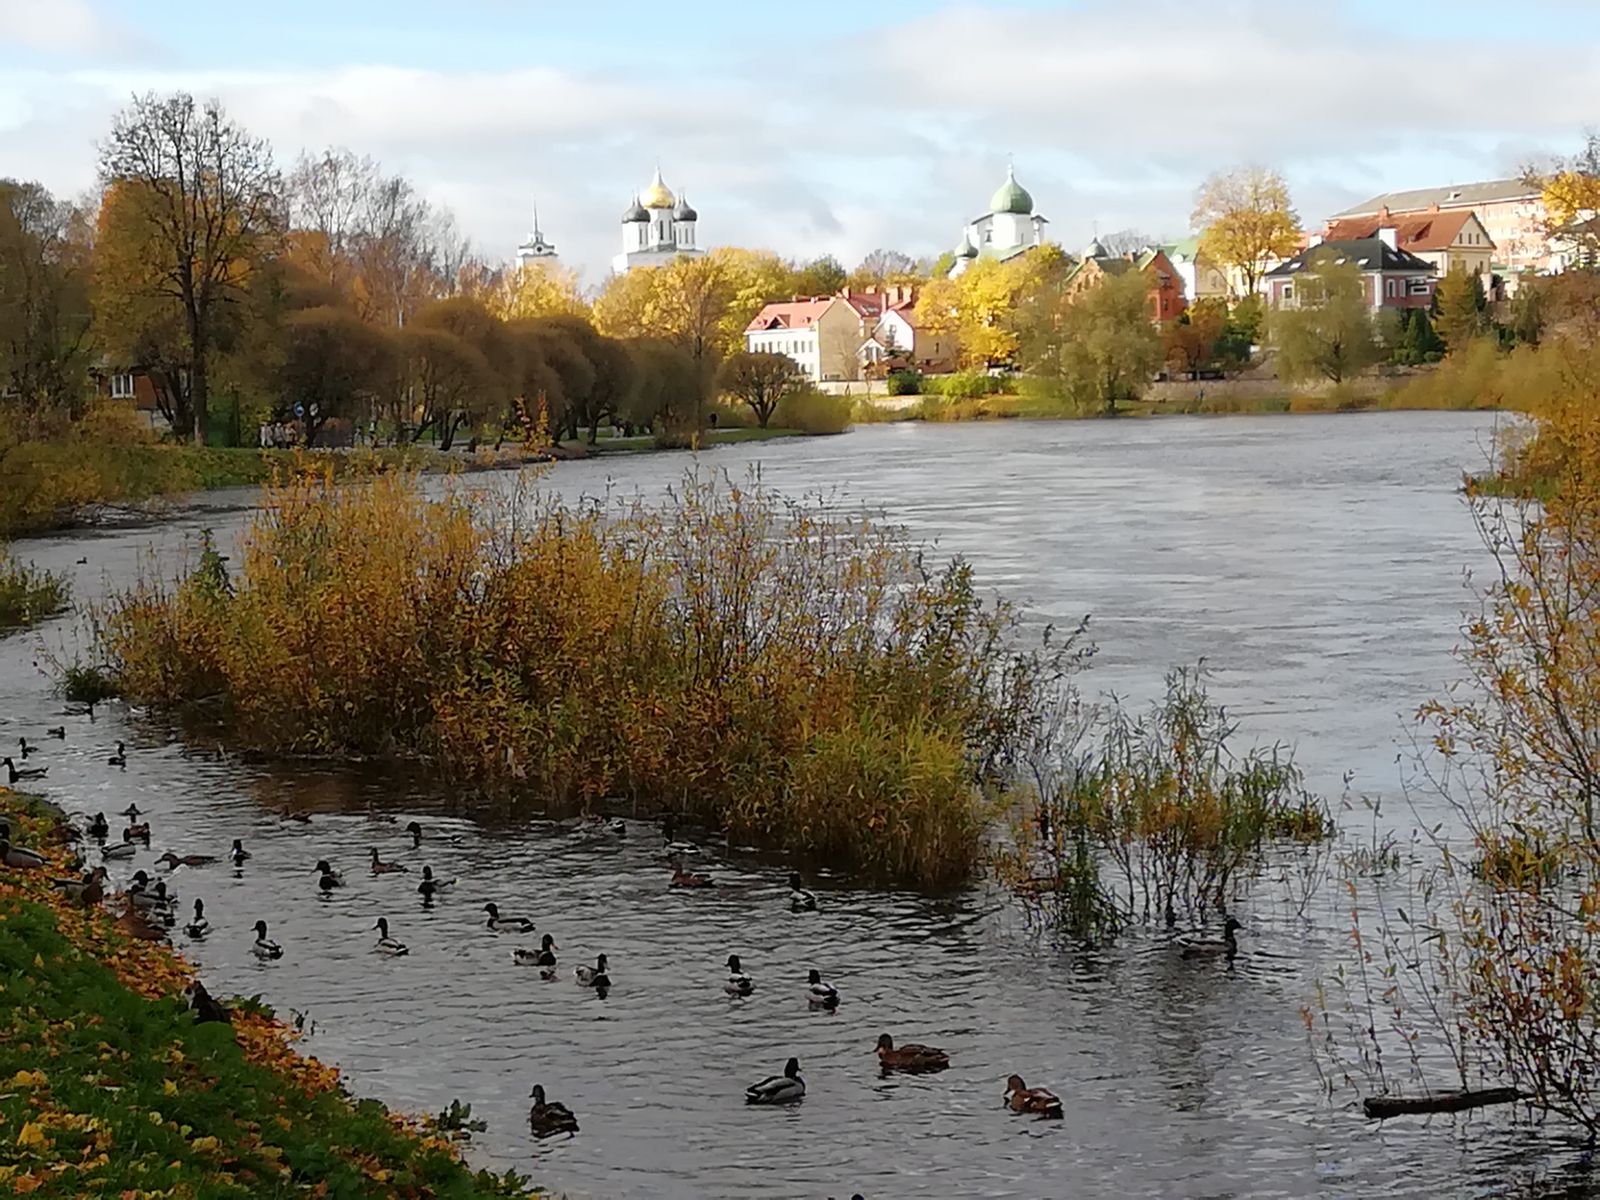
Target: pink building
(1394,278)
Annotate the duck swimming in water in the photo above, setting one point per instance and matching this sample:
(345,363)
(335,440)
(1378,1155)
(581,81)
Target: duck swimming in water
(547,1120)
(56,731)
(99,828)
(739,984)
(1020,1098)
(123,849)
(199,927)
(688,879)
(15,773)
(787,1088)
(386,944)
(379,867)
(327,877)
(120,758)
(1200,946)
(912,1058)
(820,994)
(800,900)
(506,923)
(237,854)
(169,859)
(264,949)
(544,957)
(26,749)
(431,887)
(594,976)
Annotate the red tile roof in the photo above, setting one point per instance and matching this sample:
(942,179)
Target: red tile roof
(790,314)
(1419,232)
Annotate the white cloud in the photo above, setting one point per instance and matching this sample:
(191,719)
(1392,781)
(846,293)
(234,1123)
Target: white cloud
(61,26)
(1114,109)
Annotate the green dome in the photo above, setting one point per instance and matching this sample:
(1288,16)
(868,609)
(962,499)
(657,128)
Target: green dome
(1012,197)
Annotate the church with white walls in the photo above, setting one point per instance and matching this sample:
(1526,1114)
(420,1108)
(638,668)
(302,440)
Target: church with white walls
(657,228)
(1008,229)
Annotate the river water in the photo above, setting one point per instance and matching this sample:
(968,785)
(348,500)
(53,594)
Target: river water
(1317,564)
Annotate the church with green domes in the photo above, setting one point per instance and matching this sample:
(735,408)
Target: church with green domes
(1008,229)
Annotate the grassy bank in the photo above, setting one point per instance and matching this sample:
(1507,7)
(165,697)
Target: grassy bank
(27,594)
(108,1087)
(803,679)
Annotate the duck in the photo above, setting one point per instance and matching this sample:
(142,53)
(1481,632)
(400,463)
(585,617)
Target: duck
(1020,1098)
(594,976)
(206,1007)
(1193,945)
(264,949)
(393,947)
(415,830)
(133,812)
(328,878)
(120,758)
(291,814)
(499,923)
(787,1088)
(380,818)
(16,774)
(99,828)
(237,854)
(169,859)
(138,832)
(379,867)
(133,923)
(673,847)
(431,887)
(820,994)
(199,927)
(689,879)
(77,889)
(547,1120)
(25,749)
(544,957)
(19,858)
(912,1058)
(56,731)
(739,984)
(123,849)
(800,900)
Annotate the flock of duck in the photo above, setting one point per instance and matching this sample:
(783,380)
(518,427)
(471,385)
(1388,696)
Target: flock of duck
(150,910)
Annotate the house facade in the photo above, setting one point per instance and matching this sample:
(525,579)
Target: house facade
(1392,277)
(1167,299)
(1511,212)
(1202,280)
(1451,241)
(850,336)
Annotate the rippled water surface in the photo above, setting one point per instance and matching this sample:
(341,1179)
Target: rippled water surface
(1316,562)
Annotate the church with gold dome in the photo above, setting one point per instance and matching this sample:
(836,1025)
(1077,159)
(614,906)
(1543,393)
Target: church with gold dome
(657,228)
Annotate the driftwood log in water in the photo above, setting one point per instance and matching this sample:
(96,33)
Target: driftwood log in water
(1379,1107)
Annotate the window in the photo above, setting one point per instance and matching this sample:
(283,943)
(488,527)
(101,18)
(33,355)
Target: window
(1419,287)
(1287,294)
(1391,288)
(122,387)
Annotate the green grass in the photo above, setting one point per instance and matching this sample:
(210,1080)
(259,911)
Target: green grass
(27,594)
(105,1091)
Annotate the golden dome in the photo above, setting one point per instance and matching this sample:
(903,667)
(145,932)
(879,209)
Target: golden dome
(657,195)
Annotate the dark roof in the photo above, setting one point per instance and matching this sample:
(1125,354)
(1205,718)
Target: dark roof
(1370,254)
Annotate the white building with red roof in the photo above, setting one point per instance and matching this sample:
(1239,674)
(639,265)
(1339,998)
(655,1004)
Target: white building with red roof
(839,337)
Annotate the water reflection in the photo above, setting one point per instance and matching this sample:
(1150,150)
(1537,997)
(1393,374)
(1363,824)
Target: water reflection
(1316,561)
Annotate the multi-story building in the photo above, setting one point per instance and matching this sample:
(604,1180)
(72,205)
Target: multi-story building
(1451,241)
(1391,277)
(843,337)
(1511,212)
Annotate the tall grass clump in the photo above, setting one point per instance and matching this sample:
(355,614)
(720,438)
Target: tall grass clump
(814,412)
(804,679)
(1157,819)
(27,594)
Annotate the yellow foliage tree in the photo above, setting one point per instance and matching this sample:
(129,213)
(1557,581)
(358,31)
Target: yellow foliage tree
(700,305)
(1246,220)
(536,290)
(979,306)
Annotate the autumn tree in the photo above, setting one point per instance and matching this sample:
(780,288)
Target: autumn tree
(820,277)
(984,307)
(1246,220)
(45,342)
(882,267)
(1191,341)
(670,389)
(1328,334)
(333,365)
(536,289)
(212,206)
(1122,242)
(1103,348)
(760,381)
(1463,310)
(450,382)
(1572,202)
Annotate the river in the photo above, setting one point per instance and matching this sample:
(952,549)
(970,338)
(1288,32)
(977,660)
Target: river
(1317,564)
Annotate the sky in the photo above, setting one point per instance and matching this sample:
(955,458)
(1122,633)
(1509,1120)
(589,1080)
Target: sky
(831,126)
